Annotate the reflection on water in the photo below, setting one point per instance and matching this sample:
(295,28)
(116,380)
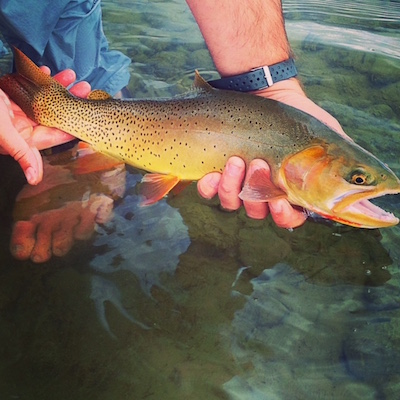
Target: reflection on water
(369,14)
(183,301)
(147,241)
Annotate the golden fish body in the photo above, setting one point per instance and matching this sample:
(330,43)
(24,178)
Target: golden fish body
(187,137)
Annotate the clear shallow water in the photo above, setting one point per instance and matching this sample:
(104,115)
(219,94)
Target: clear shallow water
(236,308)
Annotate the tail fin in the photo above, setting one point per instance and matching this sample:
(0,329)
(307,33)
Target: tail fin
(29,70)
(22,86)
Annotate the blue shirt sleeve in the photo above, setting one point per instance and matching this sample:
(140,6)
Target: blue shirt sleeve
(65,34)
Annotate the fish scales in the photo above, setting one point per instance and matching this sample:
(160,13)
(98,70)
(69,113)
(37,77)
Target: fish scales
(187,136)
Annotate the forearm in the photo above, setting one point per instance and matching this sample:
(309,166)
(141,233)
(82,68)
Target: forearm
(242,34)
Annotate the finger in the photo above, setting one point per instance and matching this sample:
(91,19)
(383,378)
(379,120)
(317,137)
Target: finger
(42,249)
(63,239)
(23,125)
(22,240)
(65,77)
(85,228)
(45,69)
(231,183)
(32,165)
(208,185)
(102,206)
(284,215)
(81,89)
(44,137)
(256,210)
(18,148)
(68,77)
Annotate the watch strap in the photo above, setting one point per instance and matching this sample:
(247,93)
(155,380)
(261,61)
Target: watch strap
(257,78)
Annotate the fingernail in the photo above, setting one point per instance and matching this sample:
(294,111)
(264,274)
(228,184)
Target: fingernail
(214,182)
(233,169)
(30,175)
(278,209)
(36,259)
(16,249)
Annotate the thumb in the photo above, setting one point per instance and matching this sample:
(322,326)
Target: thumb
(12,143)
(31,163)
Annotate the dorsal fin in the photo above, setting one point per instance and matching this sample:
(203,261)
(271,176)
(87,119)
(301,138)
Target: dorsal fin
(201,83)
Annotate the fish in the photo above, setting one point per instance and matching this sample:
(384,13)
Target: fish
(183,138)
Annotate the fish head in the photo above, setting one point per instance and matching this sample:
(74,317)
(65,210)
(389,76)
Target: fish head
(337,182)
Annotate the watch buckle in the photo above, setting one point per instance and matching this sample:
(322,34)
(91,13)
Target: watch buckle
(268,75)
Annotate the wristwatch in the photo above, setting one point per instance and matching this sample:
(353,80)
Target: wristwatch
(257,78)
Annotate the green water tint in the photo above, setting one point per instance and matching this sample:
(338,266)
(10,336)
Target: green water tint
(250,310)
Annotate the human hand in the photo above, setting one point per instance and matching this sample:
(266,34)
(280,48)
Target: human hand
(12,143)
(53,232)
(21,137)
(229,184)
(77,192)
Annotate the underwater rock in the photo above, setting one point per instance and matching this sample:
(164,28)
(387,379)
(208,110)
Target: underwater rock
(382,298)
(291,332)
(371,351)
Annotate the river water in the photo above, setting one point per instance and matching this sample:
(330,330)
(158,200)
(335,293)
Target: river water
(183,301)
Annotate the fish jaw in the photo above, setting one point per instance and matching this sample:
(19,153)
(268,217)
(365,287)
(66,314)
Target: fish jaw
(356,209)
(319,181)
(359,212)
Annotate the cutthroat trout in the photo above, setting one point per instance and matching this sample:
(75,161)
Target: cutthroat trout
(184,138)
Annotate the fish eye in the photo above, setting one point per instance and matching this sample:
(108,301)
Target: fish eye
(360,177)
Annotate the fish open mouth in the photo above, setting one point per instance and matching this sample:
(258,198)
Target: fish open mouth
(356,209)
(366,207)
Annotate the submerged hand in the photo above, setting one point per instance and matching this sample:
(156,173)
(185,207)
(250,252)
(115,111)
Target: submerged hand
(77,192)
(54,232)
(21,137)
(229,184)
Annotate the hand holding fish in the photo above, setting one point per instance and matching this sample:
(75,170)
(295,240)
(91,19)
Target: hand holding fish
(229,184)
(22,138)
(261,40)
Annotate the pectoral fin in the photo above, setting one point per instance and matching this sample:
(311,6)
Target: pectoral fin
(259,188)
(155,186)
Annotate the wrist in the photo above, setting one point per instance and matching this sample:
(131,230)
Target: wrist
(282,89)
